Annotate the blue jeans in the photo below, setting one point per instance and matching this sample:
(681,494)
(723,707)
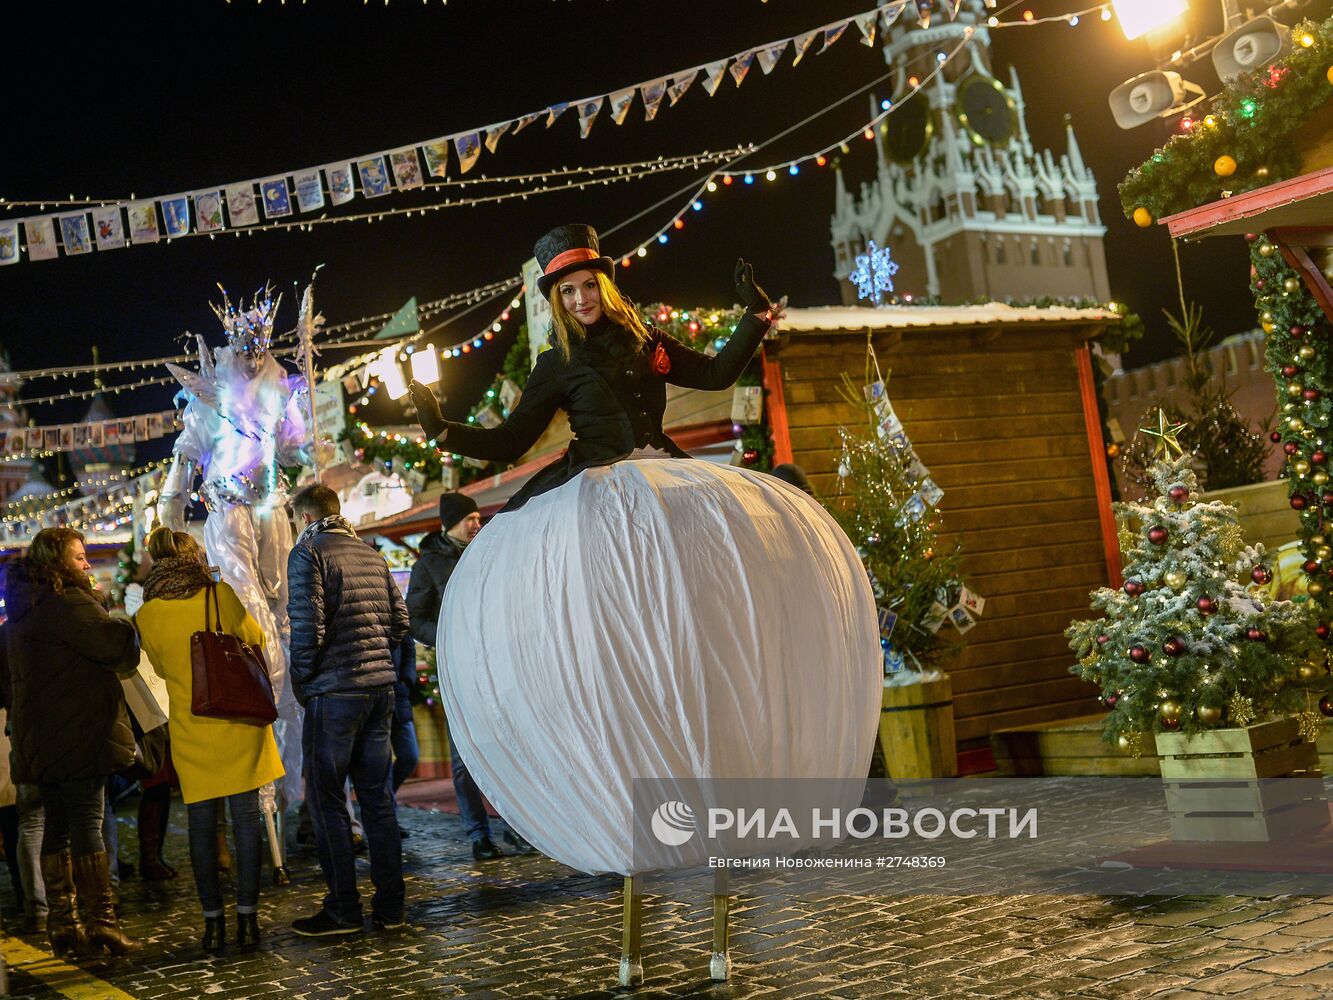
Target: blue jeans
(406,753)
(74,816)
(471,806)
(346,734)
(204,851)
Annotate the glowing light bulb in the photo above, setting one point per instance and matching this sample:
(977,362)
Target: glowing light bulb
(727,180)
(772,175)
(712,186)
(662,238)
(642,251)
(820,160)
(793,170)
(749,178)
(679,224)
(426,367)
(698,206)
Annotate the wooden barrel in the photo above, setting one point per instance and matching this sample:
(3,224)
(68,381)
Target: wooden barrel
(432,741)
(916,730)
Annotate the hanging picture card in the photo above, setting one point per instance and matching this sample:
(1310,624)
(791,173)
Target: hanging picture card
(41,236)
(374,177)
(176,216)
(339,176)
(277,200)
(108,227)
(309,191)
(207,211)
(74,235)
(241,208)
(9,242)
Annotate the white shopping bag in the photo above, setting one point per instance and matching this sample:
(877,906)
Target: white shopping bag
(146,697)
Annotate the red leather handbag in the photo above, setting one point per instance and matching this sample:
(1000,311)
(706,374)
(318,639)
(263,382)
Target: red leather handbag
(230,677)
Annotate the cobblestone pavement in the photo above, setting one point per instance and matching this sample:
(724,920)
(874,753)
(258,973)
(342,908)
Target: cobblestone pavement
(527,927)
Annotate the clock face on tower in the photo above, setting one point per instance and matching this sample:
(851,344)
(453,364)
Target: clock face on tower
(909,129)
(985,111)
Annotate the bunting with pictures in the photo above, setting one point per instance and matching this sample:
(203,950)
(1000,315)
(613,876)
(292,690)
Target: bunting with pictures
(403,168)
(91,436)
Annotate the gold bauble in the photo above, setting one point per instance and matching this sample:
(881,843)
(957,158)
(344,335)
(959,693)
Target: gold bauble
(1122,742)
(1301,467)
(1319,478)
(1288,407)
(1175,578)
(1295,423)
(1209,715)
(1268,327)
(1170,710)
(1266,249)
(1266,317)
(1261,173)
(1294,388)
(1309,671)
(1314,588)
(1291,285)
(1323,552)
(1305,353)
(1317,539)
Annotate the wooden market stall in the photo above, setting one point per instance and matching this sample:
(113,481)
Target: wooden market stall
(999,404)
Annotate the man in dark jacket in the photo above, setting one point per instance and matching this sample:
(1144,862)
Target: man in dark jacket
(347,615)
(440,552)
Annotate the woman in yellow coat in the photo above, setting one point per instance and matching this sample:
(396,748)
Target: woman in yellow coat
(216,759)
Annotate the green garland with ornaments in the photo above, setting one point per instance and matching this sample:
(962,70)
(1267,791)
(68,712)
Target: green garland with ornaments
(1245,141)
(1250,139)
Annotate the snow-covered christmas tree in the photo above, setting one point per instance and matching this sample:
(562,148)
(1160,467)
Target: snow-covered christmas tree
(1193,641)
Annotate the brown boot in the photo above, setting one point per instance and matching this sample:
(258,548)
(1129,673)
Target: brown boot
(93,878)
(62,918)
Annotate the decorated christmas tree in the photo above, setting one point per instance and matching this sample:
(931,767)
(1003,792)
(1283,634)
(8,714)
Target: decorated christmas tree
(1193,640)
(888,510)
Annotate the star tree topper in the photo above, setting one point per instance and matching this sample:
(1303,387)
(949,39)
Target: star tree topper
(1166,435)
(874,273)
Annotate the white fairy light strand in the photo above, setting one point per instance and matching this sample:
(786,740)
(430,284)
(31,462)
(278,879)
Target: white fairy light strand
(98,488)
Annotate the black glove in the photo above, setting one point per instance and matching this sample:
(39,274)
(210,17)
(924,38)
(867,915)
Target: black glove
(428,409)
(751,295)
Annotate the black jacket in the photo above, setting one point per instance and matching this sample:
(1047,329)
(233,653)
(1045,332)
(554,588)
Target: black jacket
(346,613)
(439,555)
(613,395)
(66,656)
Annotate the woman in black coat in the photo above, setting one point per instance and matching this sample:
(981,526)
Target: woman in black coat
(70,725)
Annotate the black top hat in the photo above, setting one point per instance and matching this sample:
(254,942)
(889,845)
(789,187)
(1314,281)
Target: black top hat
(566,249)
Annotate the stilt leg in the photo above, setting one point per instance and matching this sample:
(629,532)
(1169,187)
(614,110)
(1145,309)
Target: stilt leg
(631,960)
(719,966)
(269,807)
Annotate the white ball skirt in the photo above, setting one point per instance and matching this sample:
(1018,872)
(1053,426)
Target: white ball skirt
(655,619)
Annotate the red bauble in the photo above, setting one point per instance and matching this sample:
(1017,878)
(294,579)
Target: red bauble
(1103,639)
(1310,566)
(1256,634)
(1327,499)
(1318,458)
(423,680)
(1206,605)
(1297,502)
(1310,395)
(1175,646)
(1298,331)
(1289,371)
(1291,447)
(1139,654)
(1326,705)
(749,456)
(1275,437)
(1171,724)
(1259,283)
(1110,700)
(1158,536)
(1260,574)
(1134,588)
(1321,631)
(1178,494)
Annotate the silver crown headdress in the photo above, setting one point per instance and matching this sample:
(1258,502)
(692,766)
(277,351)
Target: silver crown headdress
(249,331)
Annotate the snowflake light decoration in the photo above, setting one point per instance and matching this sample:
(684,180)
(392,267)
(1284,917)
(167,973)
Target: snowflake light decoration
(874,273)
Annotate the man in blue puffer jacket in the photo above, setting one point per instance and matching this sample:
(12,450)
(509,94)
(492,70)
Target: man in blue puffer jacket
(347,615)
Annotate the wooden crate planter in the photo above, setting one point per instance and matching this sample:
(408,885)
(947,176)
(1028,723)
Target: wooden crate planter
(1264,510)
(432,741)
(1218,785)
(916,731)
(1067,747)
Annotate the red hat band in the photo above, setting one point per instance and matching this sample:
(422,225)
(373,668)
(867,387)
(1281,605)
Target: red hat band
(576,256)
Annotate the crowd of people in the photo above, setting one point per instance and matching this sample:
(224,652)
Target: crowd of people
(74,744)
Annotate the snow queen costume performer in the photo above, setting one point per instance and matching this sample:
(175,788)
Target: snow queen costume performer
(244,420)
(635,613)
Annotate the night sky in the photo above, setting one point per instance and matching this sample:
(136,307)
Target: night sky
(155,98)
